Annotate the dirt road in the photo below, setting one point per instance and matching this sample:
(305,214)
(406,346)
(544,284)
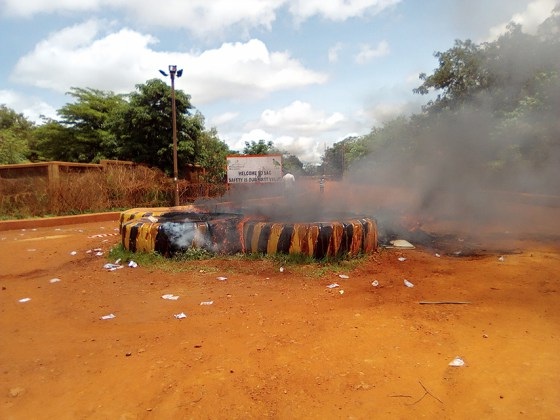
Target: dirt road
(276,344)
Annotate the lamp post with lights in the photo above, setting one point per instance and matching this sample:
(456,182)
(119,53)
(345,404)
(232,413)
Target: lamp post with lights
(172,73)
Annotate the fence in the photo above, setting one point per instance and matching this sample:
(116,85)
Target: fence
(62,188)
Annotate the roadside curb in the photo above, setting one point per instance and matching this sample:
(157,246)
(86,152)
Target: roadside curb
(59,221)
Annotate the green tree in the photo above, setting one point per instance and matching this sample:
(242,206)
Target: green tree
(15,134)
(462,73)
(212,156)
(54,141)
(84,132)
(258,148)
(292,164)
(334,161)
(144,132)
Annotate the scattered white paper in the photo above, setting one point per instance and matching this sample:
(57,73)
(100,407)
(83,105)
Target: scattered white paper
(73,253)
(341,292)
(401,243)
(118,261)
(99,253)
(375,283)
(402,259)
(180,316)
(221,278)
(501,259)
(133,264)
(24,300)
(343,276)
(281,269)
(170,296)
(457,362)
(110,316)
(408,284)
(112,267)
(332,285)
(207,303)
(55,280)
(437,255)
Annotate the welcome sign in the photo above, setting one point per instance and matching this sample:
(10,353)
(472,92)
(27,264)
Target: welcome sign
(254,169)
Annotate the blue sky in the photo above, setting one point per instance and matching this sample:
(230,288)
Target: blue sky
(303,74)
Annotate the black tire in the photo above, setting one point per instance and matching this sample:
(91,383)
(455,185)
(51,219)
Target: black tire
(318,240)
(176,231)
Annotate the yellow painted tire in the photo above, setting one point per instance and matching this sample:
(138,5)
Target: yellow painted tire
(171,230)
(318,240)
(176,231)
(152,212)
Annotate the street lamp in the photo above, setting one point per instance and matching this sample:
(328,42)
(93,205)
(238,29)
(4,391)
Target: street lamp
(172,72)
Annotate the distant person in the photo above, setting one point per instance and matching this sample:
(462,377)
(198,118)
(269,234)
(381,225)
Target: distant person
(322,184)
(289,184)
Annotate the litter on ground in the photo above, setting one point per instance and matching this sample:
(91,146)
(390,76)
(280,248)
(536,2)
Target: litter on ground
(457,362)
(401,243)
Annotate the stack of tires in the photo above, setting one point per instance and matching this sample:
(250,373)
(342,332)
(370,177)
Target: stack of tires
(171,230)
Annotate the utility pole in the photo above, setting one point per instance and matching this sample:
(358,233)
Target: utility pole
(172,72)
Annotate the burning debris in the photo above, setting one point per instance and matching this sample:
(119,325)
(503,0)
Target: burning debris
(168,231)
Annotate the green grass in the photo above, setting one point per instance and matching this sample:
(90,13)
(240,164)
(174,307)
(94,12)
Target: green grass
(297,263)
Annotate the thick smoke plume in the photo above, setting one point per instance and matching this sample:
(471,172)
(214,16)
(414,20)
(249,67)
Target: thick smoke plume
(486,161)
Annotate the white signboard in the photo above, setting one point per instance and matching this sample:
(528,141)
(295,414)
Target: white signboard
(252,169)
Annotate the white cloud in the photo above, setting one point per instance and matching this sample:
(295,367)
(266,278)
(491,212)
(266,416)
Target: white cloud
(298,129)
(28,8)
(300,117)
(380,113)
(533,15)
(333,52)
(32,108)
(202,17)
(307,149)
(224,118)
(338,10)
(74,56)
(80,56)
(367,52)
(413,79)
(246,70)
(205,17)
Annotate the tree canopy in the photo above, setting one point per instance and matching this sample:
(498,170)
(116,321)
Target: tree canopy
(492,113)
(138,127)
(260,147)
(15,136)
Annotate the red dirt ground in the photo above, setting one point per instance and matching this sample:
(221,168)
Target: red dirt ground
(281,344)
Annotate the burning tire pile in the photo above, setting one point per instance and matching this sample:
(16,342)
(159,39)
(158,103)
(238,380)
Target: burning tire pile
(168,231)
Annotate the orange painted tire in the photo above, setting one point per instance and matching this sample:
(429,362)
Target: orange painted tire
(176,231)
(151,212)
(318,240)
(171,230)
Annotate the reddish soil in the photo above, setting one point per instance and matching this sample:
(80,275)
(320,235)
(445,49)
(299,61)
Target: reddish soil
(281,344)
